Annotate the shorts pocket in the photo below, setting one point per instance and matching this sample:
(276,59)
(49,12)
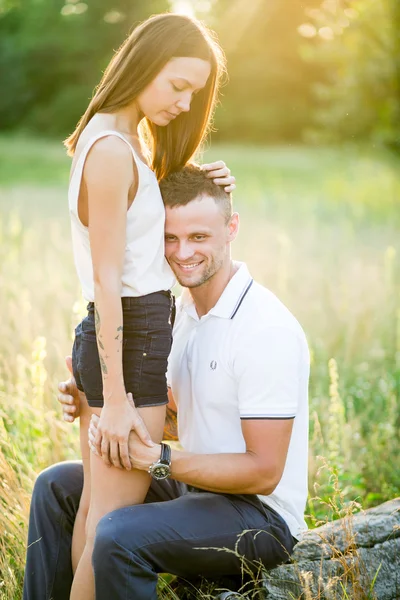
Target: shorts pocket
(134,347)
(88,329)
(75,355)
(89,367)
(154,366)
(160,345)
(159,315)
(145,361)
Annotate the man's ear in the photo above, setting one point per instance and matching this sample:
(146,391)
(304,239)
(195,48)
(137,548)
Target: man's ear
(233,227)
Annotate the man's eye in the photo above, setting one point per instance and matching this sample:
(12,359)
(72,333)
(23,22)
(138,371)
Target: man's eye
(169,239)
(176,88)
(198,238)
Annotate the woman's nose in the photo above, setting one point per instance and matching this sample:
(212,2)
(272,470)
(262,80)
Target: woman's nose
(184,103)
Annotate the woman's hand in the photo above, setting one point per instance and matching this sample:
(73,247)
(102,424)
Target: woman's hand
(141,456)
(221,175)
(114,426)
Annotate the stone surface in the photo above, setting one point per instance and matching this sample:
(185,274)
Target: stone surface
(348,553)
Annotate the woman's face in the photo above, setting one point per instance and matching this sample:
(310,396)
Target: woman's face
(171,92)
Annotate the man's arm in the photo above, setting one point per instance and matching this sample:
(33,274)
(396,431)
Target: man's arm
(257,471)
(68,395)
(267,366)
(267,372)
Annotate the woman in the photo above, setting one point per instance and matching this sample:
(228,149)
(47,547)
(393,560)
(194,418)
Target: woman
(153,106)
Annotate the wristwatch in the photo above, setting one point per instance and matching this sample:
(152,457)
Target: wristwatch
(161,469)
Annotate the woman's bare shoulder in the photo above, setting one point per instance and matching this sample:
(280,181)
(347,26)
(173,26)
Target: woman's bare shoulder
(109,155)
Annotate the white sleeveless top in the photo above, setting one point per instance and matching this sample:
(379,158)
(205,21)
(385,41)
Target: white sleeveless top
(145,268)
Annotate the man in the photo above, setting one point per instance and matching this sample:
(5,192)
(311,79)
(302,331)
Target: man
(238,373)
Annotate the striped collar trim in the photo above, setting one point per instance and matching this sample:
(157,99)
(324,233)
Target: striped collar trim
(242,298)
(231,298)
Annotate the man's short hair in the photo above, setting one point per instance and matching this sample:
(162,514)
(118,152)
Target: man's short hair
(181,187)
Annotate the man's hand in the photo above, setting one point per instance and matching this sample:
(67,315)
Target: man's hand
(220,174)
(68,395)
(140,454)
(113,429)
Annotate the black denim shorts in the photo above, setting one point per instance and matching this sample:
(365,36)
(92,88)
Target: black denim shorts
(147,339)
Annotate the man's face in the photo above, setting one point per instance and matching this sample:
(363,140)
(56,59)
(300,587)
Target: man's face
(197,240)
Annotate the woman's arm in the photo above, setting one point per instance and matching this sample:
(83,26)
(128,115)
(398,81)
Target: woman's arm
(108,176)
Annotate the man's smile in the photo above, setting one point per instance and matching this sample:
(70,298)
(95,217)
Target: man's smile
(188,267)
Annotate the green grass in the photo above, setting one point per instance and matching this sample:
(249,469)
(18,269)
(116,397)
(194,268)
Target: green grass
(32,161)
(320,227)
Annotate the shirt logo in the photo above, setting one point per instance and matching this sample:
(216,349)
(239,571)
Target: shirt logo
(213,365)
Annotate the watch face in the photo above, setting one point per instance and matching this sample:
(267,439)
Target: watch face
(160,471)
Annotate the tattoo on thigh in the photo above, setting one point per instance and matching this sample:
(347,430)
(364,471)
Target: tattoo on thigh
(171,426)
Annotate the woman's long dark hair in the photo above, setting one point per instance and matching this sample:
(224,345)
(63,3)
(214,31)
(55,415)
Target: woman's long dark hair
(137,62)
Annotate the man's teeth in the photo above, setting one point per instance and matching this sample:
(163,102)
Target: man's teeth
(188,267)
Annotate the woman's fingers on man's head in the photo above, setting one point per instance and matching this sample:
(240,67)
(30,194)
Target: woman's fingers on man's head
(215,166)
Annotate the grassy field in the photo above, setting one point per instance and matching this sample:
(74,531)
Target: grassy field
(320,227)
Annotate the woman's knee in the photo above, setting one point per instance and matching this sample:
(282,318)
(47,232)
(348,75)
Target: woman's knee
(94,517)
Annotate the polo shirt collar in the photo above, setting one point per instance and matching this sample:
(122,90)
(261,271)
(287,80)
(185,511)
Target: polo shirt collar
(230,300)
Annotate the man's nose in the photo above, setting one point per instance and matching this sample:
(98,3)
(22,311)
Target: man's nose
(184,252)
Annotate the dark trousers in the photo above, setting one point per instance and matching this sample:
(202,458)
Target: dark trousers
(178,530)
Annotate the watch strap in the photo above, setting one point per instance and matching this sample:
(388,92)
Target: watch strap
(165,457)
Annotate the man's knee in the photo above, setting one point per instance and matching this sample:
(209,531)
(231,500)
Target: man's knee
(57,483)
(121,532)
(105,548)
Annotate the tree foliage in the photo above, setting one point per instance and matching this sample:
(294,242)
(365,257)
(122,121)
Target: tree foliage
(52,55)
(298,69)
(359,47)
(269,95)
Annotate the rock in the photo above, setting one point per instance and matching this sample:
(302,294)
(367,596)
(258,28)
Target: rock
(341,559)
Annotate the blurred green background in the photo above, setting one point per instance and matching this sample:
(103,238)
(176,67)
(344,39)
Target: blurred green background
(309,123)
(299,69)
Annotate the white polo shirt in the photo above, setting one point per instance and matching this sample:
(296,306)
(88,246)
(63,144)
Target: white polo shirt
(247,358)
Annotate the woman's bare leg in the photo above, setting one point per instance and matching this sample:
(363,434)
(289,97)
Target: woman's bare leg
(79,533)
(112,488)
